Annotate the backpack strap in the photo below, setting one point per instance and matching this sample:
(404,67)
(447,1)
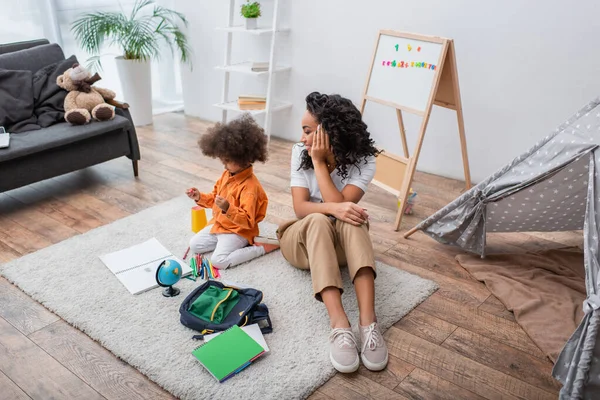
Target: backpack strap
(261,313)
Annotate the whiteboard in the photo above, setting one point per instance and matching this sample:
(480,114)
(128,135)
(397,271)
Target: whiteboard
(403,71)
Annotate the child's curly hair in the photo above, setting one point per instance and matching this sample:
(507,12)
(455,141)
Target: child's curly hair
(241,141)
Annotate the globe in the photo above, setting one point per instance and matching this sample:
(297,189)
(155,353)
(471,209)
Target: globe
(168,274)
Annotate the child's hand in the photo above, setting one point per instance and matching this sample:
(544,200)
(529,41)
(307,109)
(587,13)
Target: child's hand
(222,203)
(193,194)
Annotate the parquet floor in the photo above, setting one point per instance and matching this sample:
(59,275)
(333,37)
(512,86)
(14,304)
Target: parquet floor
(461,343)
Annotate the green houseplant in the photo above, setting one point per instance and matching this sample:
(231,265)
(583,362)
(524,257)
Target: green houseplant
(250,11)
(139,36)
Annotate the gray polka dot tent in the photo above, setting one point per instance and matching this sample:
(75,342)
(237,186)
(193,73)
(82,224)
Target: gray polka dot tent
(554,186)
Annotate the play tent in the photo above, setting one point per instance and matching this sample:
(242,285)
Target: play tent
(554,186)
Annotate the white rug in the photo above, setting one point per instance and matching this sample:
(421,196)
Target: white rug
(144,330)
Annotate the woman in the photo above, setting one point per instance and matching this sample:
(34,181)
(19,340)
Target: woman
(331,170)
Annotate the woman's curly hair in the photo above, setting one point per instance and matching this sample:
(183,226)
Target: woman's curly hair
(348,135)
(241,141)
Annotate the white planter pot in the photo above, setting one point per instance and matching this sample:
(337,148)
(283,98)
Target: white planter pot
(251,23)
(136,81)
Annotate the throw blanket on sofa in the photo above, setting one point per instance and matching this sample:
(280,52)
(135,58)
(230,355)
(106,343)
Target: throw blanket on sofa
(32,101)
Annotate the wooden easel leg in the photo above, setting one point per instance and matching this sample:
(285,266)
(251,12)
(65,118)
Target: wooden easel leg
(463,147)
(402,132)
(459,114)
(403,196)
(412,166)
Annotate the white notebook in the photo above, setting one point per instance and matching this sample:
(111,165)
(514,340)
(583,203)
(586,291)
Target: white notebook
(136,266)
(252,330)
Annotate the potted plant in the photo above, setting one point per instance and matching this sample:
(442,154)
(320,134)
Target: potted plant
(139,35)
(251,11)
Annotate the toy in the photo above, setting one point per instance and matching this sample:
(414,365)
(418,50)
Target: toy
(85,101)
(168,274)
(410,202)
(198,219)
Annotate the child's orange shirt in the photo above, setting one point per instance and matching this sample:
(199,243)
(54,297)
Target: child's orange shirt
(247,204)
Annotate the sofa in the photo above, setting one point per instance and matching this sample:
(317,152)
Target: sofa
(46,152)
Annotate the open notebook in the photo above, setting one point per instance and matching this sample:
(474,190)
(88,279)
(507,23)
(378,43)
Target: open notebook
(136,266)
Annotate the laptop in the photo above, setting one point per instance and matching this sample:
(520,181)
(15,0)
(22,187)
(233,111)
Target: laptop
(136,266)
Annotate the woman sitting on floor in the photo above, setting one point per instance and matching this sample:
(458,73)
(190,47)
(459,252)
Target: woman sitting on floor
(330,172)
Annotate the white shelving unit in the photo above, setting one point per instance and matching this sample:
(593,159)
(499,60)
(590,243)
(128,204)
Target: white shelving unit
(228,68)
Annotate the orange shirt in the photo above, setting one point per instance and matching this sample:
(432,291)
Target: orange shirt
(247,204)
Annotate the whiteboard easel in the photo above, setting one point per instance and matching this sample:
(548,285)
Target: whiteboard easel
(411,73)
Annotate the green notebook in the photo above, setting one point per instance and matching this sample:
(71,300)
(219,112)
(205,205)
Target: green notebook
(228,353)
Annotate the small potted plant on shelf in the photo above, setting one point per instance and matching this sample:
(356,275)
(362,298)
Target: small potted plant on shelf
(251,11)
(139,36)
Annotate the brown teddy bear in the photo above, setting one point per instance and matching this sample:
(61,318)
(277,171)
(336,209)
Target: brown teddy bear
(85,101)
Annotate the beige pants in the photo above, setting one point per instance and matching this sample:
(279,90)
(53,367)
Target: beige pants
(322,245)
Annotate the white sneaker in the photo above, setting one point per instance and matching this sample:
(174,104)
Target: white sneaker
(343,350)
(374,353)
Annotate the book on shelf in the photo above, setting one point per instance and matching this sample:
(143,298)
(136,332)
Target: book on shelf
(252,97)
(252,106)
(252,102)
(259,66)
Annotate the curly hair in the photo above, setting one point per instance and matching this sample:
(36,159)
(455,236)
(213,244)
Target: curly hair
(348,134)
(241,141)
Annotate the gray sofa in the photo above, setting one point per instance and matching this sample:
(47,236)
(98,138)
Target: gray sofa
(61,148)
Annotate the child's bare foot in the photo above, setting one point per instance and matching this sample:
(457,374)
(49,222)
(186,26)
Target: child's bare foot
(269,245)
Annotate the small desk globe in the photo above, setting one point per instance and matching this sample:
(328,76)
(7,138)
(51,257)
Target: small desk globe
(168,274)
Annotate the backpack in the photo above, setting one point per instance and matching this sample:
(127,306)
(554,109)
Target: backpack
(214,307)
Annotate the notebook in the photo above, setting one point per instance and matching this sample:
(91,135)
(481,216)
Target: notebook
(252,330)
(228,353)
(136,266)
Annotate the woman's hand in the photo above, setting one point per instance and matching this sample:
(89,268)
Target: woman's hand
(350,212)
(222,203)
(193,194)
(321,151)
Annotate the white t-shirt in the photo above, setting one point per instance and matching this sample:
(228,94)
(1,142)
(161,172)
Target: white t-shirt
(306,177)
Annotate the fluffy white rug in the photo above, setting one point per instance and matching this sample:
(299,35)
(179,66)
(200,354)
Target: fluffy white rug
(144,330)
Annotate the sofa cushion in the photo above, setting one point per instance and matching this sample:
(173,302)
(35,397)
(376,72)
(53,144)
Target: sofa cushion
(32,59)
(16,46)
(16,101)
(32,142)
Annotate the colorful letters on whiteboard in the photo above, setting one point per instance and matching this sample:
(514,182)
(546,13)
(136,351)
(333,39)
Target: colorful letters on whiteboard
(408,64)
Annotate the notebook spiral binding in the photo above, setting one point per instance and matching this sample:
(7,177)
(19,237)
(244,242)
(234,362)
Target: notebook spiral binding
(228,329)
(141,265)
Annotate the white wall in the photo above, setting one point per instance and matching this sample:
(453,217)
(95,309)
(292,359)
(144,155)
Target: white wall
(524,67)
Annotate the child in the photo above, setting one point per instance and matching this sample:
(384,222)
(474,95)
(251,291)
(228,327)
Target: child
(238,200)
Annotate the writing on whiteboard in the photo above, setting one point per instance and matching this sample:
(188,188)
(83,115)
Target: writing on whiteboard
(408,46)
(408,64)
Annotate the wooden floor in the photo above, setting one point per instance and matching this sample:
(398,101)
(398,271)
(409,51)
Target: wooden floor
(461,343)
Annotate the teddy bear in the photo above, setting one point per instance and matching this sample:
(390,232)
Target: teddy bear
(84,101)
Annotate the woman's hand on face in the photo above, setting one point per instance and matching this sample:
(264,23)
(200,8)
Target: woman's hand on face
(321,150)
(351,213)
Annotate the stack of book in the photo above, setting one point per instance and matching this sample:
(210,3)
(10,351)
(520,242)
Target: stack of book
(252,102)
(259,66)
(225,354)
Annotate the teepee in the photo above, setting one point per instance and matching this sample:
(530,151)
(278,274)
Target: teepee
(554,186)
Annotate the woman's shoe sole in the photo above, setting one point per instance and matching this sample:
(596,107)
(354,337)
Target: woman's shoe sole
(345,369)
(374,367)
